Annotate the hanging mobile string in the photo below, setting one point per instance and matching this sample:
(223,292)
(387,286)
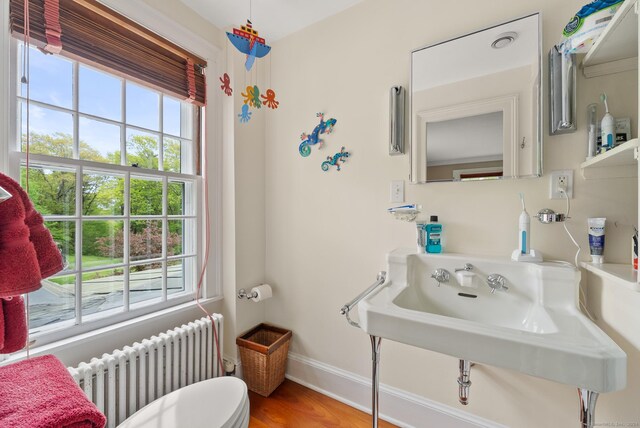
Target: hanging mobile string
(271,87)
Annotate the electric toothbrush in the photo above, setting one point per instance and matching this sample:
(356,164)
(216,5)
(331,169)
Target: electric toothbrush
(523,233)
(524,253)
(607,126)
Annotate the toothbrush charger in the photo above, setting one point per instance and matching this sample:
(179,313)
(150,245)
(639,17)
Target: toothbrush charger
(532,257)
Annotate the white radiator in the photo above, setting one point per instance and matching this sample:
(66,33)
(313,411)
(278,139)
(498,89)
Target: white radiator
(126,380)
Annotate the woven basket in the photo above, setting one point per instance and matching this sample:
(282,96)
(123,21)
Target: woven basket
(263,352)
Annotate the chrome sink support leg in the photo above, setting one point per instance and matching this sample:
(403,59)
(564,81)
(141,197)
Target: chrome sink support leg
(463,382)
(587,407)
(375,378)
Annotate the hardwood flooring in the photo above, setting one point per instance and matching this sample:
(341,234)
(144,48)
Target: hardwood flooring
(293,405)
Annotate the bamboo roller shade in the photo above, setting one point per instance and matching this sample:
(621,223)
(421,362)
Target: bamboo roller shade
(93,33)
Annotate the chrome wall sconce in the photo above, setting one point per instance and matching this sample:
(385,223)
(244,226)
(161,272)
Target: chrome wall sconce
(396,120)
(562,91)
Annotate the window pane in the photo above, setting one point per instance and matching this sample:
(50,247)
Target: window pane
(174,238)
(54,302)
(99,141)
(102,243)
(142,149)
(171,154)
(50,78)
(51,131)
(179,198)
(52,190)
(145,282)
(181,237)
(145,240)
(143,107)
(177,270)
(146,196)
(102,194)
(171,116)
(102,290)
(64,235)
(175,198)
(99,94)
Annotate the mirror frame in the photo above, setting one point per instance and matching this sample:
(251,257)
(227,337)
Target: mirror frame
(414,147)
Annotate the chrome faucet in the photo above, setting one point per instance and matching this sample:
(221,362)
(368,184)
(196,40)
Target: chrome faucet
(467,267)
(441,275)
(497,282)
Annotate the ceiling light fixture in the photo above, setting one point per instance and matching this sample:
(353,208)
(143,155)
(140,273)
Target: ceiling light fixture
(504,40)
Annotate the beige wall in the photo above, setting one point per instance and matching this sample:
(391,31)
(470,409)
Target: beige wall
(327,232)
(245,169)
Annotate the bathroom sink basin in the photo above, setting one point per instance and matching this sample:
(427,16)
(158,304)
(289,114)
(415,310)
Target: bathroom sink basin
(533,327)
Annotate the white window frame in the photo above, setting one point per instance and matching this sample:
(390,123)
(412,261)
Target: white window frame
(209,140)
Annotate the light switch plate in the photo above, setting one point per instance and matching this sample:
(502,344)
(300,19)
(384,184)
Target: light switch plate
(397,191)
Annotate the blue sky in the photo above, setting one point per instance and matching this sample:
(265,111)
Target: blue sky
(51,81)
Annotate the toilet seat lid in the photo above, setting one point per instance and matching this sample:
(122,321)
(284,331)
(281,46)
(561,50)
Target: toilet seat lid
(217,402)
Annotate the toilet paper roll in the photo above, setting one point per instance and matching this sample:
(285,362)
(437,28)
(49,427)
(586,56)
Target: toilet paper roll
(262,292)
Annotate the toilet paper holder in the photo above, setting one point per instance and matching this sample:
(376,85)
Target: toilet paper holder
(242,294)
(257,294)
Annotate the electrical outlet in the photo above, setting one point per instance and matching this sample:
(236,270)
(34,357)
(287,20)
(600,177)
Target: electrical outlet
(561,180)
(397,191)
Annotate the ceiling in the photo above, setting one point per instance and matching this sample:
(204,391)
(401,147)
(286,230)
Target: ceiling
(274,19)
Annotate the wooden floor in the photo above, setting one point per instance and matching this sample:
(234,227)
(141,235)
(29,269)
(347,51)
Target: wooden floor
(293,405)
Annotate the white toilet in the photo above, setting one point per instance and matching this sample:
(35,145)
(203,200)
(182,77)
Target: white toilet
(215,403)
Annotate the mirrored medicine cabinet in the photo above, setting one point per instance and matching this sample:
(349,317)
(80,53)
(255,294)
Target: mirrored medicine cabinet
(476,105)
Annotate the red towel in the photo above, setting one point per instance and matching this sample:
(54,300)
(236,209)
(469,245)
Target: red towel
(15,325)
(40,393)
(49,257)
(19,270)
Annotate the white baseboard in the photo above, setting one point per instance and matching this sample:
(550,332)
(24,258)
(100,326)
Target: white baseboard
(396,406)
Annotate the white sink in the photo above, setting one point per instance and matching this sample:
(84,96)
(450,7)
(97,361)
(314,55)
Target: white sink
(534,327)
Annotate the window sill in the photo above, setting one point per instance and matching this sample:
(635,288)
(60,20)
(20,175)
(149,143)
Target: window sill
(120,328)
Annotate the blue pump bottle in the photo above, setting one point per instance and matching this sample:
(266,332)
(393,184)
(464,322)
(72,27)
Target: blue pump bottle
(434,235)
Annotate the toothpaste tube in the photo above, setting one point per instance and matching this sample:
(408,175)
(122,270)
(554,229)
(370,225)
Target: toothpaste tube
(596,239)
(410,207)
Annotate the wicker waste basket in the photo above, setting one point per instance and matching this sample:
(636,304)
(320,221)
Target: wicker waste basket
(263,353)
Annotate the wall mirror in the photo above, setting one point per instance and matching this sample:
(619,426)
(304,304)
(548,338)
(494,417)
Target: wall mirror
(476,105)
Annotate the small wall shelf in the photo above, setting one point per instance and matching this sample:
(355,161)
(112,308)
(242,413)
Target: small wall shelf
(616,49)
(619,162)
(622,274)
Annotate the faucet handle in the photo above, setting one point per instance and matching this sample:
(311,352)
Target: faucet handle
(441,275)
(497,282)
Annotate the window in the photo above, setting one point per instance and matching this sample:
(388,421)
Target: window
(113,172)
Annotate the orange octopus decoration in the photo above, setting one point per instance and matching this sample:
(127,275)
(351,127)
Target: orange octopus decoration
(270,99)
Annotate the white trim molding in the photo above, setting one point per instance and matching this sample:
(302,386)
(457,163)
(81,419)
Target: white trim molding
(396,406)
(5,89)
(507,104)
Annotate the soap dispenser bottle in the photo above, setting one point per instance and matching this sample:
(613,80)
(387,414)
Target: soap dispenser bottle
(434,235)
